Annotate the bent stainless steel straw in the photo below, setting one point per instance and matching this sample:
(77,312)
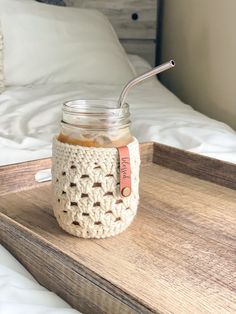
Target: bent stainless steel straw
(161,68)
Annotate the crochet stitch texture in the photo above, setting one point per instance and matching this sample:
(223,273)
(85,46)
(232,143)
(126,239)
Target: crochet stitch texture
(86,194)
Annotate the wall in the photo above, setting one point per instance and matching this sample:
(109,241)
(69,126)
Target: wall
(201,36)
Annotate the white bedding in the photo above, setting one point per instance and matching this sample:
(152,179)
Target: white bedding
(21,294)
(29,117)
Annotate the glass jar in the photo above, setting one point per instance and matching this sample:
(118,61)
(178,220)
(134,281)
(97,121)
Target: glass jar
(95,179)
(95,123)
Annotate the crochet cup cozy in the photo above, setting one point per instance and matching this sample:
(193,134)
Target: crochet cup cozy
(86,194)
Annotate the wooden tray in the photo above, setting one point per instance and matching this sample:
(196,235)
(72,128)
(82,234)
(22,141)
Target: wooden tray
(177,256)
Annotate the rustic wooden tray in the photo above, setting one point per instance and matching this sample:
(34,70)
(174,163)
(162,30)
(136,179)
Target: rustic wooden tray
(176,257)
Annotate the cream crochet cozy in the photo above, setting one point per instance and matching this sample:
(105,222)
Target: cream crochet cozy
(86,196)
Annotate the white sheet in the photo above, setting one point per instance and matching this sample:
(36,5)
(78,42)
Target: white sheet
(21,294)
(29,117)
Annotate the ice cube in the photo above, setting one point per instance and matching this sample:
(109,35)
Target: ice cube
(103,141)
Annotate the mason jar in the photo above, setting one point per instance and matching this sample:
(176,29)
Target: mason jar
(95,169)
(95,123)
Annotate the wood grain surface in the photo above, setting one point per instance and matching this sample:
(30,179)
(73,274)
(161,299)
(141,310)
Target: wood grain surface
(21,176)
(177,257)
(206,168)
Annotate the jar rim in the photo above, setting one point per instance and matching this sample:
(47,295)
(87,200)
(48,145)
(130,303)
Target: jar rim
(95,113)
(95,106)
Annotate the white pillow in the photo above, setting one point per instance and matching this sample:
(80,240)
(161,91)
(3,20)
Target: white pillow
(52,44)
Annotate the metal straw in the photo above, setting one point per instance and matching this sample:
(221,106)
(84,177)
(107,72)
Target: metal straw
(146,75)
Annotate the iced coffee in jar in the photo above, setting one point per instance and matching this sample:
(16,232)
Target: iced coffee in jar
(95,169)
(95,123)
(95,166)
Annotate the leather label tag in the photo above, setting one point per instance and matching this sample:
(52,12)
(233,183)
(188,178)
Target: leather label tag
(125,172)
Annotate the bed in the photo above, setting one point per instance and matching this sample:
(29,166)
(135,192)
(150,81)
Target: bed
(29,118)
